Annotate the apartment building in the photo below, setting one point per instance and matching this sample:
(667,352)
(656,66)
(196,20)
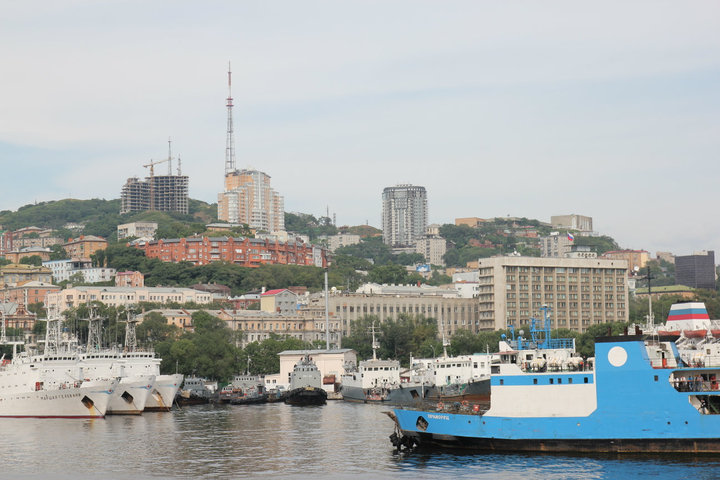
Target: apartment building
(636,259)
(17,273)
(84,246)
(162,193)
(580,292)
(573,222)
(404,214)
(247,252)
(248,198)
(66,269)
(433,248)
(124,296)
(137,230)
(28,293)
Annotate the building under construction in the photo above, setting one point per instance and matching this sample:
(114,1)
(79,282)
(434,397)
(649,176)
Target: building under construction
(162,193)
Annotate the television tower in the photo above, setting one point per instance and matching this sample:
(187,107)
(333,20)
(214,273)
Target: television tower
(230,142)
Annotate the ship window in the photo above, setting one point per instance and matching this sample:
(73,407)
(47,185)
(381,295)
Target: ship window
(552,380)
(559,381)
(586,380)
(656,378)
(502,381)
(569,379)
(534,381)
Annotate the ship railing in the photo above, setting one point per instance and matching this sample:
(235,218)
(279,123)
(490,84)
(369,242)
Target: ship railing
(696,383)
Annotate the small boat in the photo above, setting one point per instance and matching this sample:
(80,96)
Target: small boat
(244,389)
(195,391)
(306,384)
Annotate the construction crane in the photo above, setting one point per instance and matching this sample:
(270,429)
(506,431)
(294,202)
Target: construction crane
(152,172)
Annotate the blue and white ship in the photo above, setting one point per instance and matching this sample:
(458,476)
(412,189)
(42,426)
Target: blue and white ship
(640,396)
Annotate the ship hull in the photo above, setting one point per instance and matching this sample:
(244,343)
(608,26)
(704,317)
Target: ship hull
(163,395)
(131,395)
(613,445)
(306,396)
(404,396)
(90,400)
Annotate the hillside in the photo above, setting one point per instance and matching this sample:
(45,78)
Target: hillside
(101,217)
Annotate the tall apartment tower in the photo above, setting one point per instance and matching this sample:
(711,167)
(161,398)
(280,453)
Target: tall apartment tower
(404,214)
(248,197)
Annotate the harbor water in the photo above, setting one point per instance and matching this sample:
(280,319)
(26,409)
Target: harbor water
(338,440)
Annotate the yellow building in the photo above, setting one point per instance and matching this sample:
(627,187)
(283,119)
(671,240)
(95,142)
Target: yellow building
(636,259)
(17,273)
(249,199)
(84,246)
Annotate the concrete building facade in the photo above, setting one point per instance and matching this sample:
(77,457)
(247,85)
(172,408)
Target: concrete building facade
(556,245)
(280,301)
(161,193)
(573,222)
(247,252)
(433,248)
(137,229)
(248,198)
(342,240)
(84,246)
(697,270)
(580,292)
(404,214)
(17,273)
(124,296)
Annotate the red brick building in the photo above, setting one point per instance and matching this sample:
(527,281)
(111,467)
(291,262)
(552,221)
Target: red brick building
(246,252)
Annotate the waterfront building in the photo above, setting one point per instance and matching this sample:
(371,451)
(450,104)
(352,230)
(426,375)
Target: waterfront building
(137,230)
(178,317)
(580,292)
(697,270)
(248,198)
(307,325)
(246,252)
(387,302)
(124,296)
(84,246)
(572,222)
(15,274)
(404,214)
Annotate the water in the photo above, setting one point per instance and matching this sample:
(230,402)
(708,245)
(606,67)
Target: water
(339,440)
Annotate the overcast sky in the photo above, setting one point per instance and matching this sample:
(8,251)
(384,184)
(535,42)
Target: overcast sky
(607,109)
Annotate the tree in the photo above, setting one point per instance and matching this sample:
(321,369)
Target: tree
(32,260)
(262,357)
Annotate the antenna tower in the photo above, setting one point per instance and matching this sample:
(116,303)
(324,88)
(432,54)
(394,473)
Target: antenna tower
(230,142)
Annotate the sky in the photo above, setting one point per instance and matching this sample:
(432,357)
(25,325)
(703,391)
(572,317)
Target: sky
(521,108)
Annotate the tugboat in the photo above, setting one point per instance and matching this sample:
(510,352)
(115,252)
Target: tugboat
(306,384)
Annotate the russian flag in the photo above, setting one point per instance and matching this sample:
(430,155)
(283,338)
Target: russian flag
(571,237)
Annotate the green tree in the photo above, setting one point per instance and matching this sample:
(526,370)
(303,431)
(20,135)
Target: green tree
(32,260)
(263,356)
